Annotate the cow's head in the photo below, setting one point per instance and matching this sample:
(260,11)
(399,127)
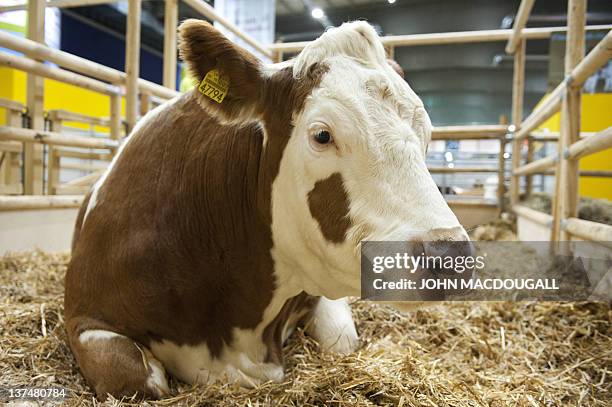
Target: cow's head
(344,149)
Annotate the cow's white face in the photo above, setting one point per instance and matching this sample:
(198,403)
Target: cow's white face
(354,167)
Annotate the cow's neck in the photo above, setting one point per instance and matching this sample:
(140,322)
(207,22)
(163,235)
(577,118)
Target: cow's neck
(230,174)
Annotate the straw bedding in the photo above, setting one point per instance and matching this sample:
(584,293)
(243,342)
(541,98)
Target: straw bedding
(465,354)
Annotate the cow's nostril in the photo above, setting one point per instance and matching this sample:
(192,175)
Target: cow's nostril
(446,248)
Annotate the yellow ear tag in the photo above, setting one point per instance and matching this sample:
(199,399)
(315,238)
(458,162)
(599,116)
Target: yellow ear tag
(214,86)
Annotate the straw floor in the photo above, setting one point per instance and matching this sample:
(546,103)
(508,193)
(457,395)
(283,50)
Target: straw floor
(465,354)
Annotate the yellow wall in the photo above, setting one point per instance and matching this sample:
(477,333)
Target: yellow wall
(596,116)
(58,95)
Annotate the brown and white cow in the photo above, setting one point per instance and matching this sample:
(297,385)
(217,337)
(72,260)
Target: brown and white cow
(220,226)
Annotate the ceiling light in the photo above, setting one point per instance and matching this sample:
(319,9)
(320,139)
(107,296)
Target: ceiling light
(317,13)
(391,1)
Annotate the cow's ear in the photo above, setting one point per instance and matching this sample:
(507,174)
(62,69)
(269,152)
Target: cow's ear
(230,79)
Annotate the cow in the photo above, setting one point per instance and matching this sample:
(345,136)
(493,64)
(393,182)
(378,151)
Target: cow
(235,212)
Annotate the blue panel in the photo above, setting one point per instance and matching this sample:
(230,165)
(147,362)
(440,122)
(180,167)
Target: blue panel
(87,41)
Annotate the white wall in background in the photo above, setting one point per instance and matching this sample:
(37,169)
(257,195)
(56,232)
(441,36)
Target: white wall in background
(45,229)
(254,17)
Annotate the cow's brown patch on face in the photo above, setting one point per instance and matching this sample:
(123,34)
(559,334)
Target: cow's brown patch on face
(329,205)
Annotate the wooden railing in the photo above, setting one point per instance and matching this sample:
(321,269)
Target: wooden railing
(566,98)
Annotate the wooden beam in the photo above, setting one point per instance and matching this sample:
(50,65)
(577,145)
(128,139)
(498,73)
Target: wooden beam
(566,195)
(78,64)
(11,147)
(472,132)
(553,136)
(535,167)
(36,69)
(533,215)
(447,170)
(170,27)
(20,203)
(598,57)
(470,203)
(585,229)
(12,105)
(86,180)
(68,116)
(583,173)
(83,155)
(520,21)
(462,37)
(543,112)
(590,145)
(30,136)
(132,62)
(518,90)
(115,117)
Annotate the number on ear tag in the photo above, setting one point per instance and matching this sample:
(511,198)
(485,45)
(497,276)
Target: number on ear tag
(214,85)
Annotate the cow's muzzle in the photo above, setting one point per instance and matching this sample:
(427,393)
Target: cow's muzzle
(447,256)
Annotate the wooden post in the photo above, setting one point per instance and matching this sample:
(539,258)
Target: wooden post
(115,117)
(53,161)
(145,103)
(132,62)
(566,185)
(277,55)
(529,178)
(518,83)
(10,174)
(32,179)
(390,52)
(170,26)
(15,119)
(501,170)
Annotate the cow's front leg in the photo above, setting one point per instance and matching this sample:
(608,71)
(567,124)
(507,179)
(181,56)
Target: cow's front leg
(333,327)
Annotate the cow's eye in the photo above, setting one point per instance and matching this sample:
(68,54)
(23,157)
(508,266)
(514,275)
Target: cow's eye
(323,137)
